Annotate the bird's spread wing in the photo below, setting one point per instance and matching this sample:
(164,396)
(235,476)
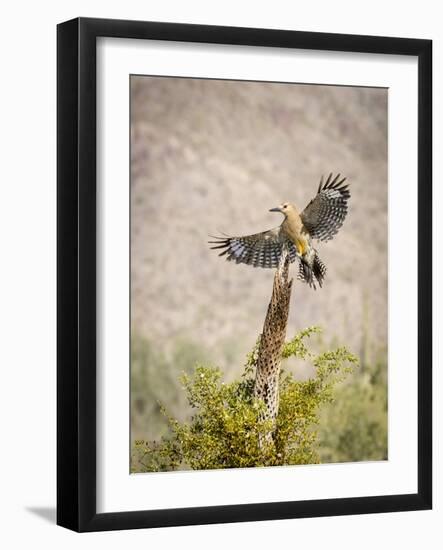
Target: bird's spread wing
(259,250)
(326,212)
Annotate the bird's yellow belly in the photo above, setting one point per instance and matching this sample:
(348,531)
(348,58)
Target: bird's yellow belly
(295,234)
(300,242)
(301,245)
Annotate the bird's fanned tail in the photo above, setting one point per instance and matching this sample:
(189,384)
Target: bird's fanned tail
(312,272)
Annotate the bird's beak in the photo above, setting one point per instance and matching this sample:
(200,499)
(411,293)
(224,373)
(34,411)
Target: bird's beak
(276,209)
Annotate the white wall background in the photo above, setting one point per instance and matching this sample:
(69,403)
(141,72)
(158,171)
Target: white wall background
(27,289)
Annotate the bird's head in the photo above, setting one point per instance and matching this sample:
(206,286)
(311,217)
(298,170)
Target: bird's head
(285,208)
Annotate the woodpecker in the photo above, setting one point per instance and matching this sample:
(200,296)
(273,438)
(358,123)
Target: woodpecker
(320,220)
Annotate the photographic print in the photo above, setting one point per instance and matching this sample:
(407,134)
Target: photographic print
(259,290)
(233,281)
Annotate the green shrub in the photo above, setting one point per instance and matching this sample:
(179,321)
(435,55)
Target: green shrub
(226,429)
(154,374)
(354,427)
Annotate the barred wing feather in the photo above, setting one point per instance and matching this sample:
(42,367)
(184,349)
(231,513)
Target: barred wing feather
(259,250)
(327,211)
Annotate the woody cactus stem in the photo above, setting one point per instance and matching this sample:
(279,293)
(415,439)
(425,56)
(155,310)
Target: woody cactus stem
(266,385)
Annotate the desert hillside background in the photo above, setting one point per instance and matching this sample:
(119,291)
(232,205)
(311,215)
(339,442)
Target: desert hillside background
(213,156)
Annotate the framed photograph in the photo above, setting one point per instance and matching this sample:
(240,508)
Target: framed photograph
(294,379)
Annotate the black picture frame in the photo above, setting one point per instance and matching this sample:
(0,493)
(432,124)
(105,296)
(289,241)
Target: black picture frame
(76,278)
